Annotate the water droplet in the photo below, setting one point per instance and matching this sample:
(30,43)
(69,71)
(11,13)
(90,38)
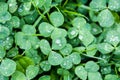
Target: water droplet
(80,37)
(58,42)
(114,38)
(72,32)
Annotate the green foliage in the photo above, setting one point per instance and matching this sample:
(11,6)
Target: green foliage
(59,39)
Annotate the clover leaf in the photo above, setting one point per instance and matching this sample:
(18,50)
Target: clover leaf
(98,5)
(20,38)
(7,42)
(114,5)
(45,77)
(95,29)
(39,3)
(12,52)
(14,22)
(12,4)
(31,71)
(3,77)
(105,48)
(4,32)
(66,50)
(66,63)
(112,37)
(94,75)
(84,34)
(4,16)
(45,47)
(24,8)
(3,6)
(72,33)
(55,58)
(105,18)
(56,18)
(91,49)
(78,22)
(33,54)
(2,52)
(81,72)
(58,43)
(5,67)
(75,57)
(45,29)
(18,75)
(45,65)
(58,32)
(111,77)
(28,29)
(91,66)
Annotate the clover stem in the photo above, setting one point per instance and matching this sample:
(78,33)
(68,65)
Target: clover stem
(75,13)
(85,7)
(93,57)
(66,1)
(37,21)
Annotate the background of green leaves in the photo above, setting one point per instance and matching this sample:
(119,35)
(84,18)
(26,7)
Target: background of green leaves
(59,39)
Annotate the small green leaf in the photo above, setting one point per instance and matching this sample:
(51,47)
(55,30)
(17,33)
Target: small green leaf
(91,49)
(114,5)
(84,34)
(111,77)
(75,57)
(32,71)
(4,32)
(79,49)
(45,47)
(14,22)
(95,76)
(20,38)
(93,16)
(3,77)
(7,42)
(95,29)
(112,37)
(2,52)
(24,8)
(55,58)
(91,66)
(47,4)
(72,33)
(34,41)
(12,5)
(58,43)
(28,29)
(45,65)
(106,69)
(81,72)
(18,76)
(39,3)
(5,67)
(66,63)
(105,48)
(45,29)
(58,33)
(3,6)
(33,54)
(66,50)
(105,18)
(45,77)
(4,16)
(12,52)
(98,5)
(56,18)
(78,22)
